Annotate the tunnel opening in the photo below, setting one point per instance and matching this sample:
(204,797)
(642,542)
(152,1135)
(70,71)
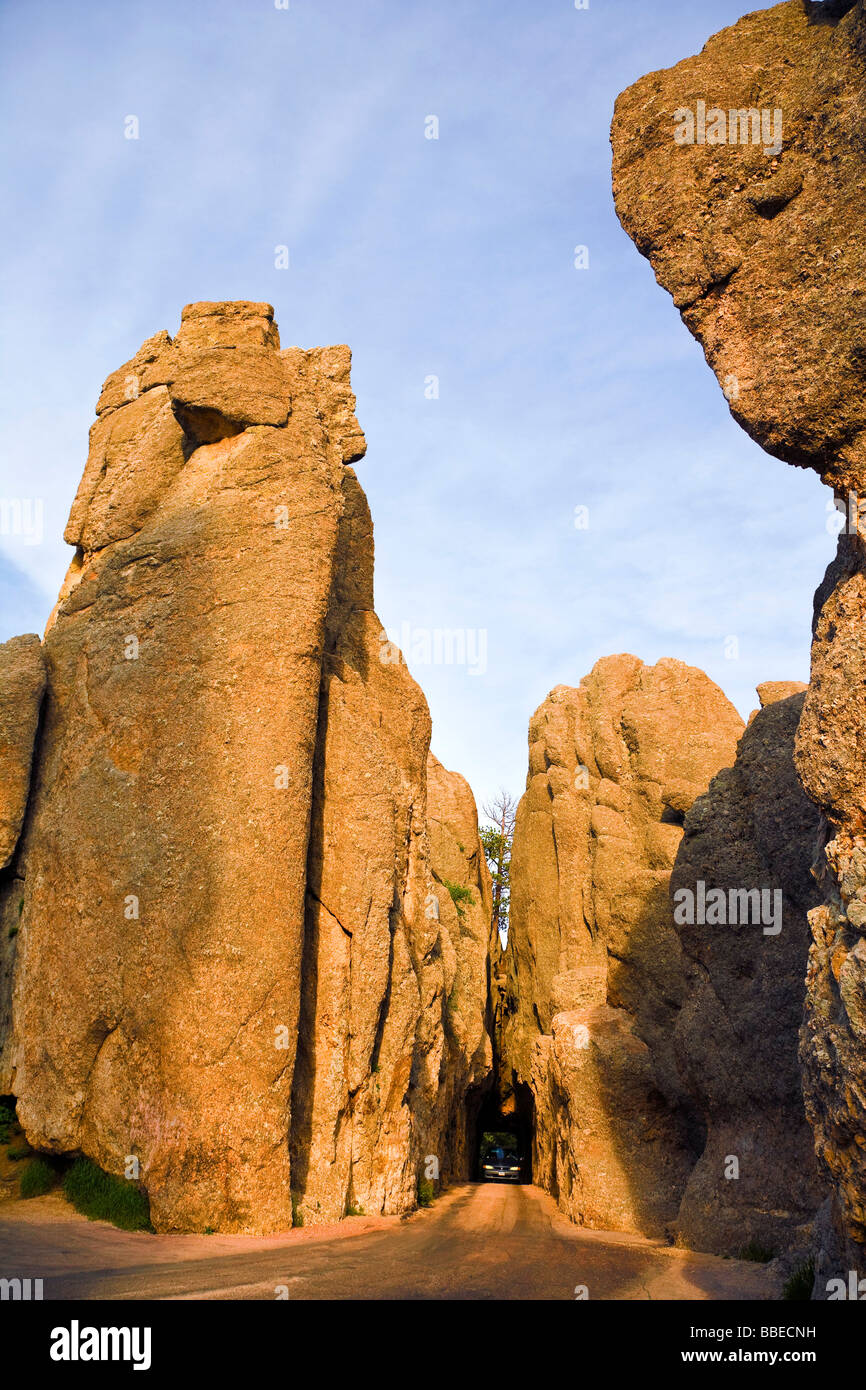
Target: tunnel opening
(500,1132)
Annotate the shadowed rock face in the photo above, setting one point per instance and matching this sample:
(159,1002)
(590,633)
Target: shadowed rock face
(458,862)
(765,256)
(22,685)
(736,1034)
(595,975)
(228,963)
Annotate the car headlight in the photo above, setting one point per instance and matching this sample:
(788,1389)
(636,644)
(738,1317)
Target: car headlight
(514,1170)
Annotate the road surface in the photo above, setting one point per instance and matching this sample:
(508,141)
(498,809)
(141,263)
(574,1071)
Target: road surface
(478,1241)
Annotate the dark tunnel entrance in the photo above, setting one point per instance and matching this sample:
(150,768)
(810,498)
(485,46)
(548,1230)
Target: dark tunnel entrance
(500,1131)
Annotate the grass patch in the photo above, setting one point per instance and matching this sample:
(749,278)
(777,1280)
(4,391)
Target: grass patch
(798,1288)
(460,895)
(297,1214)
(353,1210)
(102,1197)
(756,1252)
(15,1154)
(37,1178)
(426,1192)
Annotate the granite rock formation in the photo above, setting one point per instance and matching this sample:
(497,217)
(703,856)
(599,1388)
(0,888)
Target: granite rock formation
(464,894)
(22,685)
(655,1037)
(231,964)
(762,247)
(736,1034)
(595,975)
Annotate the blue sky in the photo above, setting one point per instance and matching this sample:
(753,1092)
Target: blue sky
(558,388)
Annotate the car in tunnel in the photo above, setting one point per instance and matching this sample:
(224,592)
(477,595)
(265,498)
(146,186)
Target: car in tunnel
(501,1165)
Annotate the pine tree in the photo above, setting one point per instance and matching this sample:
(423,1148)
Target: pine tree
(496,839)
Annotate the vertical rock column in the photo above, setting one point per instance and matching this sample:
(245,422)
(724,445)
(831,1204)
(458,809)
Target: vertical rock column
(464,898)
(753,831)
(762,245)
(595,971)
(158,981)
(22,685)
(370,1035)
(235,964)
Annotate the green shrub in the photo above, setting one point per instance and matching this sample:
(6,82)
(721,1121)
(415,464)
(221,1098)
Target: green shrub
(7,1120)
(353,1210)
(15,1154)
(755,1252)
(102,1197)
(460,895)
(426,1192)
(37,1178)
(297,1214)
(497,1139)
(798,1288)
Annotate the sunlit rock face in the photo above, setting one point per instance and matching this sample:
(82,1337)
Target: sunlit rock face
(594,969)
(762,246)
(651,992)
(232,964)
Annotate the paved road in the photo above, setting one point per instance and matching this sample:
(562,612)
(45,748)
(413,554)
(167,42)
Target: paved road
(478,1241)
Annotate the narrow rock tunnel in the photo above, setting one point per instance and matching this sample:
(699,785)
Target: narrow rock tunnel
(496,1123)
